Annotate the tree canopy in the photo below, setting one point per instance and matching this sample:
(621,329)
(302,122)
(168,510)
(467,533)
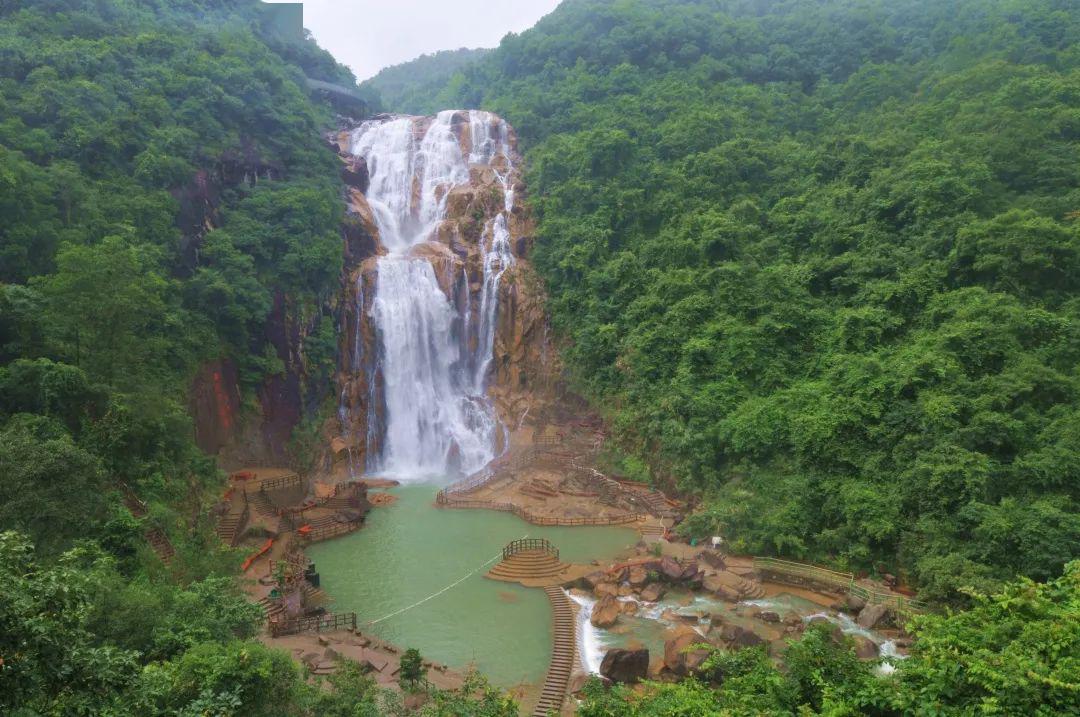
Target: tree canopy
(819,260)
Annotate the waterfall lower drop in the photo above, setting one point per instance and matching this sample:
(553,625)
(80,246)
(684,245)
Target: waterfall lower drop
(433,425)
(589,647)
(438,420)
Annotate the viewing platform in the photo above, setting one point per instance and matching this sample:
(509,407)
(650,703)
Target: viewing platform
(533,562)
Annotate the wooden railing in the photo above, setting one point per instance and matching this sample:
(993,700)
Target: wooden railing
(780,569)
(522,545)
(327,531)
(245,514)
(465,485)
(286,481)
(548,520)
(316,623)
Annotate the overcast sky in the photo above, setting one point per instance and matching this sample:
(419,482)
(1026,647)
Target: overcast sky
(368,35)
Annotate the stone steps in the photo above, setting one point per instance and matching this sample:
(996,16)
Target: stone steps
(528,565)
(160,544)
(563,654)
(229,526)
(261,501)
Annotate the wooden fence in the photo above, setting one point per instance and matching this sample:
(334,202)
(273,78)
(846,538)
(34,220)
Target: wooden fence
(316,623)
(286,481)
(787,571)
(523,545)
(325,532)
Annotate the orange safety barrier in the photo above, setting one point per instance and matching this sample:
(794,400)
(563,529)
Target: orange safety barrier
(242,475)
(255,556)
(304,529)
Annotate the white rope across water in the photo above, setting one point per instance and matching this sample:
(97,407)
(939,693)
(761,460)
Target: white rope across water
(489,561)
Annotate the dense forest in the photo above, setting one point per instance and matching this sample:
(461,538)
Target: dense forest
(413,83)
(818,260)
(119,120)
(822,261)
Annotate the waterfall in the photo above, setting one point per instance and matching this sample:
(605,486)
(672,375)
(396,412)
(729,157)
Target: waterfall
(497,260)
(437,419)
(590,648)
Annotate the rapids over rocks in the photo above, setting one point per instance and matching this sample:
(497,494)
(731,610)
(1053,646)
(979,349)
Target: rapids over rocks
(440,298)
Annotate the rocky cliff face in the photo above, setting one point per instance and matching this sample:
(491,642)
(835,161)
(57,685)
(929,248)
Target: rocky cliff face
(222,425)
(522,367)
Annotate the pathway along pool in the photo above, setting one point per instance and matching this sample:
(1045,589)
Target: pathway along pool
(412,549)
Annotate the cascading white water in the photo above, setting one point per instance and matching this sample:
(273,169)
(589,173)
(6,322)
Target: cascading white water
(589,646)
(496,261)
(437,420)
(432,424)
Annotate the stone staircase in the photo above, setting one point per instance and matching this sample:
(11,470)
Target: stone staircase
(230,526)
(260,500)
(657,502)
(271,608)
(537,488)
(652,530)
(734,586)
(313,597)
(161,545)
(155,536)
(527,565)
(562,655)
(750,589)
(349,498)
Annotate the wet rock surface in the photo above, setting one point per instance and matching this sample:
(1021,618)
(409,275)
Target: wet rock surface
(626,666)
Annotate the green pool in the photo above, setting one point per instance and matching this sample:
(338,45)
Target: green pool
(412,549)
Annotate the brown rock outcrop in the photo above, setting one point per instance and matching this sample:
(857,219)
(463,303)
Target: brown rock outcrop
(871,615)
(628,666)
(678,655)
(865,648)
(605,612)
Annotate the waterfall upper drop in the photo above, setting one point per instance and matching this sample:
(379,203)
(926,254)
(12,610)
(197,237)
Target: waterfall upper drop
(430,369)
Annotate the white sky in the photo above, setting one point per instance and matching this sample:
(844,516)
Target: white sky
(368,35)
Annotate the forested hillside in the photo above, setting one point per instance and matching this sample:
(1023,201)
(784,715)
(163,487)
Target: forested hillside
(412,86)
(130,129)
(822,260)
(124,126)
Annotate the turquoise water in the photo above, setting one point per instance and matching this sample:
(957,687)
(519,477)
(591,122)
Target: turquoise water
(412,549)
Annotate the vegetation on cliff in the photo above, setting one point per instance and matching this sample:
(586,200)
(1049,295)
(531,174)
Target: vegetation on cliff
(412,87)
(822,260)
(163,186)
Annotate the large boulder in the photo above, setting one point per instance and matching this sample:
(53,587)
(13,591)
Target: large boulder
(670,569)
(355,174)
(652,592)
(689,572)
(865,649)
(854,603)
(735,637)
(871,615)
(625,665)
(637,576)
(590,581)
(604,589)
(768,616)
(678,655)
(605,612)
